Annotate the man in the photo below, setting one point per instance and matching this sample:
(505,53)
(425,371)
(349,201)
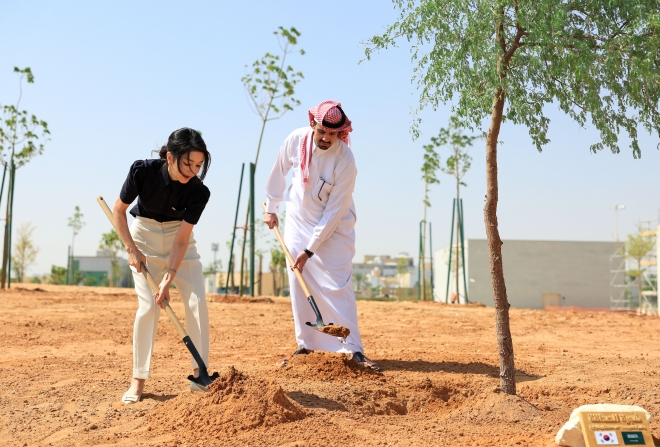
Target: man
(320,222)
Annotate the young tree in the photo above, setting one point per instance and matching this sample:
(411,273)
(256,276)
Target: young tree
(19,143)
(508,59)
(111,243)
(429,175)
(636,248)
(25,252)
(270,88)
(358,277)
(457,165)
(277,268)
(75,223)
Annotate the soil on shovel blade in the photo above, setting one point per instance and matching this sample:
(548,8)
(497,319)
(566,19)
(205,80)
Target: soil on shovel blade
(336,331)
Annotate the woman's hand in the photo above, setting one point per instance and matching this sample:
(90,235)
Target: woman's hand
(135,258)
(163,291)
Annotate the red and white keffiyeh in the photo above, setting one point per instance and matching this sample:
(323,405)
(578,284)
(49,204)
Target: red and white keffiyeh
(332,118)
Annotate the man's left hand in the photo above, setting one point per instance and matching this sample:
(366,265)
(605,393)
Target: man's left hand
(301,259)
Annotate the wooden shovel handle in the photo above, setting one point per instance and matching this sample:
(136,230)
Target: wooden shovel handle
(147,275)
(289,257)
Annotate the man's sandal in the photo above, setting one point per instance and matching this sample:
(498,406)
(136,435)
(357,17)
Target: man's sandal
(129,399)
(364,361)
(299,351)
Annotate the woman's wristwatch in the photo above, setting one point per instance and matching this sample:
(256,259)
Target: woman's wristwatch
(309,253)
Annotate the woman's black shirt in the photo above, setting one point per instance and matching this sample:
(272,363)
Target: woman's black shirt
(159,197)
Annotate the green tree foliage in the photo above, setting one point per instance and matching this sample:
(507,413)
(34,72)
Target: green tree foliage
(25,252)
(271,84)
(111,243)
(20,131)
(57,275)
(598,61)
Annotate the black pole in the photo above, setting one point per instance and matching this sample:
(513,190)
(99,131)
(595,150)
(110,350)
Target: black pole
(451,241)
(431,256)
(460,226)
(419,264)
(2,188)
(233,233)
(252,169)
(12,175)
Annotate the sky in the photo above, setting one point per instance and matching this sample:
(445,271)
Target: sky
(114,78)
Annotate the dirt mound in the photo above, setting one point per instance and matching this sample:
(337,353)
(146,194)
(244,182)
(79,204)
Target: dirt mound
(337,331)
(320,365)
(496,407)
(237,402)
(236,299)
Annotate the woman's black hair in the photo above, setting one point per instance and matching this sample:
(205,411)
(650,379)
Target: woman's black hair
(181,143)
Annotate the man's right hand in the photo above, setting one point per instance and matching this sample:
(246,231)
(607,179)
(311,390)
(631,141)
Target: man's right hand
(135,258)
(271,220)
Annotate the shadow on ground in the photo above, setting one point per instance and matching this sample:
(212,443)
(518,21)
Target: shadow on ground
(308,400)
(476,368)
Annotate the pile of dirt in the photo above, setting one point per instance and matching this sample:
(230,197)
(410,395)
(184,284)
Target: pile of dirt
(320,365)
(496,407)
(236,299)
(337,331)
(237,402)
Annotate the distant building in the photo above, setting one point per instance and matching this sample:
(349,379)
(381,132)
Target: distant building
(97,269)
(385,271)
(568,273)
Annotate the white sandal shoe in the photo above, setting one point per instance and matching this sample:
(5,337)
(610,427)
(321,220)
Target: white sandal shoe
(129,399)
(197,387)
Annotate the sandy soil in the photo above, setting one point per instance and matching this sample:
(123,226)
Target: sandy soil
(66,360)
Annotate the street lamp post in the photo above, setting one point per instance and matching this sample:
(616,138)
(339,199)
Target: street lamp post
(214,248)
(617,208)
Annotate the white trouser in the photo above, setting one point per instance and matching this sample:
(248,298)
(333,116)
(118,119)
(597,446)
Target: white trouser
(154,239)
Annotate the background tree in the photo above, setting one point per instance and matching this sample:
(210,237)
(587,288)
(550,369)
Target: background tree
(19,143)
(111,243)
(57,275)
(429,175)
(508,59)
(457,165)
(277,268)
(75,223)
(25,252)
(636,248)
(270,88)
(358,278)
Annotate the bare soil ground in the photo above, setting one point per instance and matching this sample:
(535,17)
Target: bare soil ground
(66,360)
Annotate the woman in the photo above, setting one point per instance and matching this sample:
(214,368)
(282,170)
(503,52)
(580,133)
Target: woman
(170,200)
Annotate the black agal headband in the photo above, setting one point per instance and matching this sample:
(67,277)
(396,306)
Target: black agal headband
(337,125)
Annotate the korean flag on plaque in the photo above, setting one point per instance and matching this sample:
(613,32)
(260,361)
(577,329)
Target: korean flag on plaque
(606,438)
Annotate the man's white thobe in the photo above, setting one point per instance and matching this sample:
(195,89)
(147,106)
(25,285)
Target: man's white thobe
(320,216)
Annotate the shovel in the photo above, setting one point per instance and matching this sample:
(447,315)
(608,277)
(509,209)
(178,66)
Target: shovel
(330,329)
(203,380)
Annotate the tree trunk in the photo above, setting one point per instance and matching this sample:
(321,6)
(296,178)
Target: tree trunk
(504,342)
(231,273)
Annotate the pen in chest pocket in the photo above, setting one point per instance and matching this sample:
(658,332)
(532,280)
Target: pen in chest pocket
(321,189)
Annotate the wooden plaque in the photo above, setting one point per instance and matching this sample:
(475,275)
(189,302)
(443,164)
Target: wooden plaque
(615,428)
